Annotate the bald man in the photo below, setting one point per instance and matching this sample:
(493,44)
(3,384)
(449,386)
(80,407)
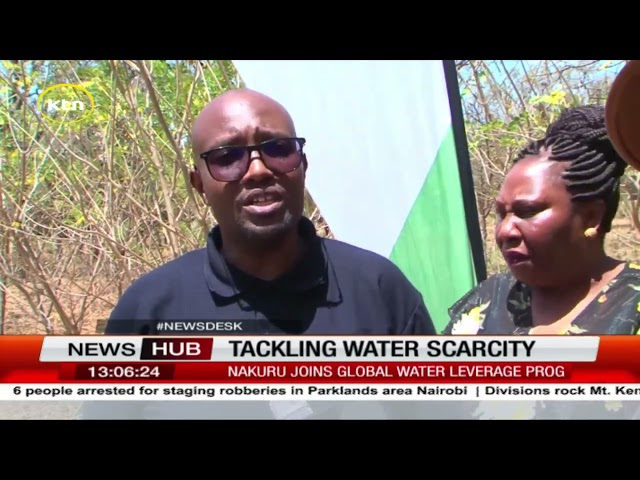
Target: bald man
(264,270)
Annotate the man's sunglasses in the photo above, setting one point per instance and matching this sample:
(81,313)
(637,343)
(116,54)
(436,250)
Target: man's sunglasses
(229,164)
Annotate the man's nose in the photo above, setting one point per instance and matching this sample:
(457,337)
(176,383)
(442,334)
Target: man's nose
(257,169)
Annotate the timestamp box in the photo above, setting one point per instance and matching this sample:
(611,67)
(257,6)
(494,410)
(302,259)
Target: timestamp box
(123,372)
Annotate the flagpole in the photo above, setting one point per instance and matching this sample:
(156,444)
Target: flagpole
(464,167)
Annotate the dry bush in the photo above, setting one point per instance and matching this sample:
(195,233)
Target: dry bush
(87,207)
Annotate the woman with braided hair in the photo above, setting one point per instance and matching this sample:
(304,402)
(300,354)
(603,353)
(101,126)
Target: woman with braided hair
(553,210)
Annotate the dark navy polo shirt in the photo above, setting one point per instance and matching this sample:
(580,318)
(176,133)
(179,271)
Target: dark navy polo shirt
(335,289)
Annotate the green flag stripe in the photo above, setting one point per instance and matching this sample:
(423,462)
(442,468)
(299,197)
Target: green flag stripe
(433,248)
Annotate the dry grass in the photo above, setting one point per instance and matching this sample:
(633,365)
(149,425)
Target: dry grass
(20,317)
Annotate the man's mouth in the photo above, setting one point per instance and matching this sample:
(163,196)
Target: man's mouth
(263,199)
(263,203)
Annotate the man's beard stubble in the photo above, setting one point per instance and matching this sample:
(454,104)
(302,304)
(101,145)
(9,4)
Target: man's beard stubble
(265,237)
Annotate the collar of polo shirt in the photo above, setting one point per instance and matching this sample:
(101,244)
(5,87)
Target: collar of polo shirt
(314,270)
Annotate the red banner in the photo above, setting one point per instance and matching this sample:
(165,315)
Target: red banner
(314,372)
(618,361)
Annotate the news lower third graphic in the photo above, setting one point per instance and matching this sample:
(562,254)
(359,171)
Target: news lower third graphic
(319,348)
(318,368)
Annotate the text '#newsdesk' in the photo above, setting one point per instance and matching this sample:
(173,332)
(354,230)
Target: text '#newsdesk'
(322,367)
(193,327)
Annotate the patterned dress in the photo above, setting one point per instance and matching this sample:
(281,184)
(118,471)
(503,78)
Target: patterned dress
(502,306)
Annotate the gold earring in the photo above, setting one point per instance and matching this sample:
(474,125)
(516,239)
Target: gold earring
(590,232)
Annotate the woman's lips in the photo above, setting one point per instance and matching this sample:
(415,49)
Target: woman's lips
(514,258)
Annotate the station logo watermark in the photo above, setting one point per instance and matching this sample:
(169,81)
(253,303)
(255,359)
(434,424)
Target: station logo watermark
(66,103)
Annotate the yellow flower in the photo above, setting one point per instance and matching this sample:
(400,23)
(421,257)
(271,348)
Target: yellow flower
(470,322)
(634,265)
(476,312)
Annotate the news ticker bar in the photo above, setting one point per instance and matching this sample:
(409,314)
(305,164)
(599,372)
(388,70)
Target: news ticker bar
(320,373)
(330,392)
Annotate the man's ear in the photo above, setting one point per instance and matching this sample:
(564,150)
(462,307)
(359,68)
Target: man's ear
(196,182)
(305,163)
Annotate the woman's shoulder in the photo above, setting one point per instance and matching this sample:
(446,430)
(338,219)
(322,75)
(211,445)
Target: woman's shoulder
(626,284)
(488,289)
(467,315)
(631,270)
(616,308)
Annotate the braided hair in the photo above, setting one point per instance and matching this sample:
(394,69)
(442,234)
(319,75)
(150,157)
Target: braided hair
(579,136)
